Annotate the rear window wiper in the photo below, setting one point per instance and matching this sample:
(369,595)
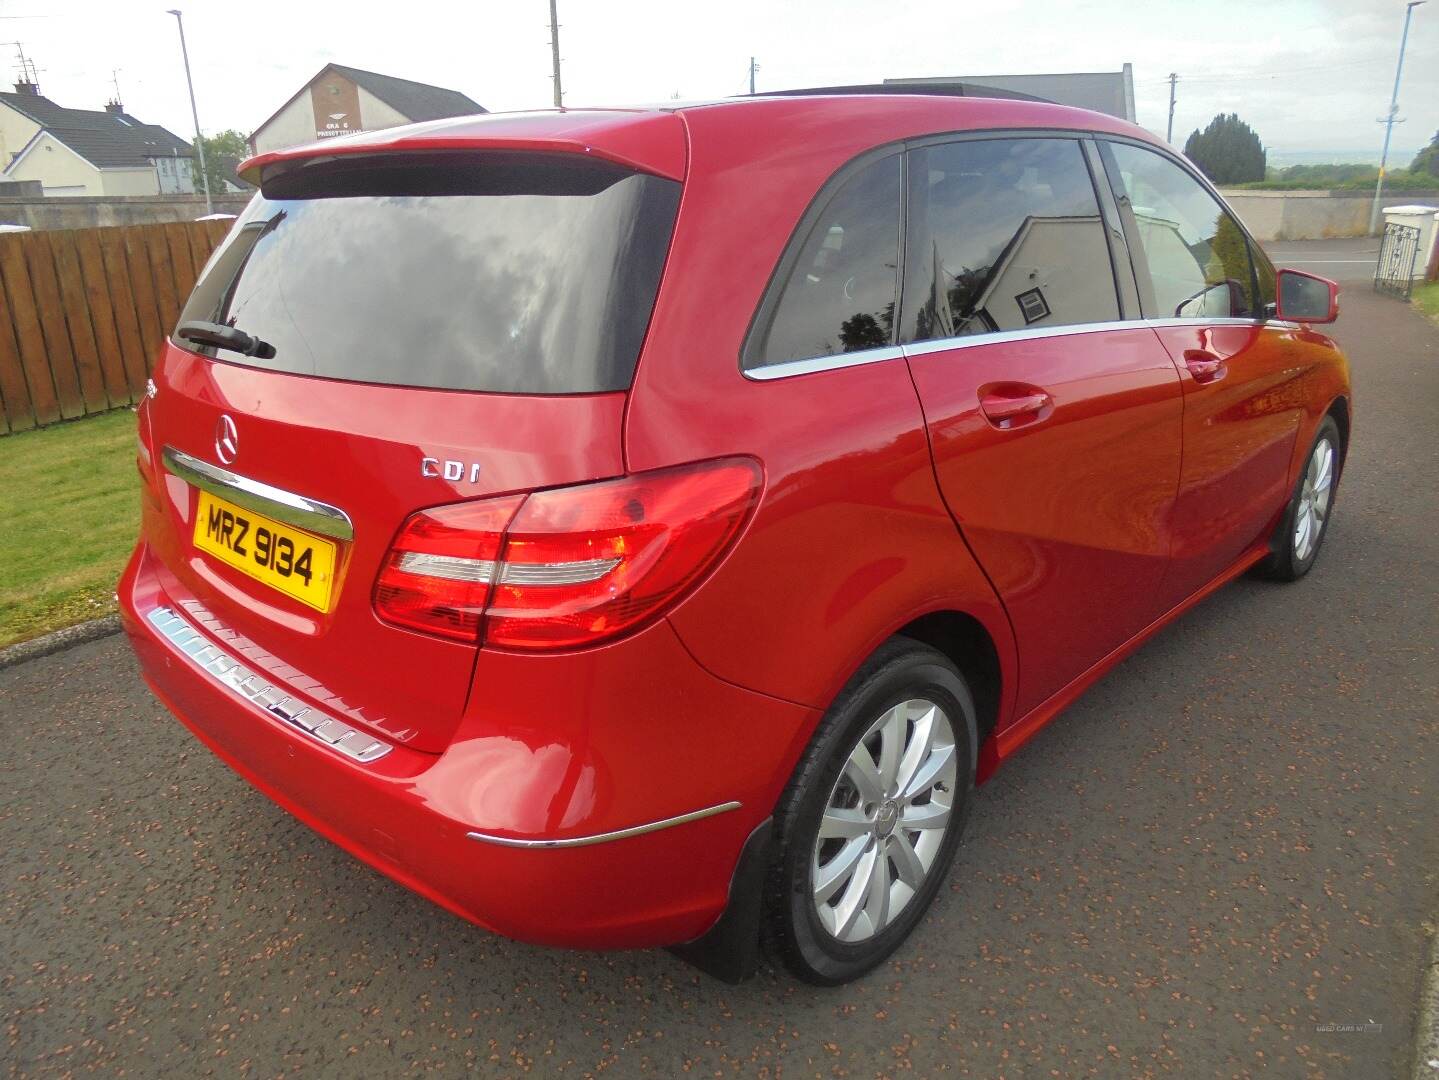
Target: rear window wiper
(224,337)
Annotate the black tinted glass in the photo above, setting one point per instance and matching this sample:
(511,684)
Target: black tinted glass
(506,273)
(1195,253)
(1004,234)
(839,294)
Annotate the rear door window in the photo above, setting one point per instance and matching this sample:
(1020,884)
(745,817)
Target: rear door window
(839,283)
(1004,234)
(1195,254)
(514,273)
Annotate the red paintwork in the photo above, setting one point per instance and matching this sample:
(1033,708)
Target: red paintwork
(1117,491)
(1069,515)
(358,446)
(1240,428)
(650,141)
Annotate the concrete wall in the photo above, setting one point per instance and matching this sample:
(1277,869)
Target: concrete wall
(1312,215)
(82,212)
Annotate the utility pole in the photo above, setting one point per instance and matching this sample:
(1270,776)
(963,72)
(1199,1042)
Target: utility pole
(1392,119)
(194,112)
(753,67)
(555,53)
(1169,135)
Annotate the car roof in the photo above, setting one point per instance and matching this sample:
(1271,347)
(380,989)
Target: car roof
(653,138)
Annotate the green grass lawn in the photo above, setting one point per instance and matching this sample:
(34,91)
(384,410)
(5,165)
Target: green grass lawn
(1427,297)
(69,514)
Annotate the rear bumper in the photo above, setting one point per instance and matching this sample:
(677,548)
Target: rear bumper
(535,822)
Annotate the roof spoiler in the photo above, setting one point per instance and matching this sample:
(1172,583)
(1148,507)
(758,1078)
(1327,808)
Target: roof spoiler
(940,89)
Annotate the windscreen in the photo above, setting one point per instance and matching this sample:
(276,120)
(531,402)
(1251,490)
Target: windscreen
(502,272)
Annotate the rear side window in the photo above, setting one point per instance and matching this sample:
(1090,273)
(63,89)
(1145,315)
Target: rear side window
(839,284)
(514,273)
(1004,234)
(1195,253)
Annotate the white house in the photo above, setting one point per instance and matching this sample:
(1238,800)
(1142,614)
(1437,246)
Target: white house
(84,152)
(342,100)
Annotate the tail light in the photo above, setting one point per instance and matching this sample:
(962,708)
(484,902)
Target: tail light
(565,567)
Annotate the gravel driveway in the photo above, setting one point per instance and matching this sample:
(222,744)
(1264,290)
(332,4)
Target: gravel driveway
(1217,863)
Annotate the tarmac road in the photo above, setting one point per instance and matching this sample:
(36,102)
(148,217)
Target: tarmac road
(1348,260)
(1217,863)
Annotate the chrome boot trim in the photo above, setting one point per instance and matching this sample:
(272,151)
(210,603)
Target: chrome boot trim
(282,505)
(605,837)
(258,691)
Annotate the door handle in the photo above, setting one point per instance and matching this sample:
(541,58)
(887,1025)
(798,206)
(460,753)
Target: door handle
(1204,367)
(1010,405)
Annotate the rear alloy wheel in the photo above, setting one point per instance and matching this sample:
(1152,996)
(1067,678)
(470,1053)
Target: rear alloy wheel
(871,820)
(1306,520)
(885,821)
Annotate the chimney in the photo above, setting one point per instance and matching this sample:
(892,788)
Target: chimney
(25,86)
(114,108)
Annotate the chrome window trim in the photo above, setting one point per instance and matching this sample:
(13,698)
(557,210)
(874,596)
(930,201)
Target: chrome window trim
(606,837)
(823,363)
(285,506)
(970,341)
(256,689)
(791,368)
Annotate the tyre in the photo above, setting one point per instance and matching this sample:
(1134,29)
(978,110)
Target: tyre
(868,826)
(1301,531)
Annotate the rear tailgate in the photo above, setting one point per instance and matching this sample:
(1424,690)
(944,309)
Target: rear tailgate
(414,330)
(366,450)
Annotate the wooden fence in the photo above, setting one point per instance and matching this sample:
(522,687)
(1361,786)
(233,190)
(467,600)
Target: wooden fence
(83,313)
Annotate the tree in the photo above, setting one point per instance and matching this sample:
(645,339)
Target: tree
(222,153)
(1227,151)
(1427,160)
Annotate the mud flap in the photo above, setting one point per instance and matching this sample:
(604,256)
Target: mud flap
(729,950)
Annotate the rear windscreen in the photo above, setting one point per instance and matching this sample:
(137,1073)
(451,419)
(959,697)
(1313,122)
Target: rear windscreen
(513,273)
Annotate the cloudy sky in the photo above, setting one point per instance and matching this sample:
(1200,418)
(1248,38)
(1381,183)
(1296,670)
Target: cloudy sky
(1307,74)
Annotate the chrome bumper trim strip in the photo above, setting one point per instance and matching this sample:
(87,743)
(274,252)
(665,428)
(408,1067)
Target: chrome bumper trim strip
(282,505)
(605,837)
(250,686)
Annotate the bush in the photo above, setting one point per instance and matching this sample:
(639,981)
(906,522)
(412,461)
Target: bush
(1227,151)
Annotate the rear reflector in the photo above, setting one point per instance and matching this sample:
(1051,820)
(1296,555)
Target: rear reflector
(569,566)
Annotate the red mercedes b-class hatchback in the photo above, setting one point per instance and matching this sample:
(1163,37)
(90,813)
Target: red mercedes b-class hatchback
(646,527)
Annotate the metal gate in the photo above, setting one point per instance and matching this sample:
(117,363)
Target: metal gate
(1397,254)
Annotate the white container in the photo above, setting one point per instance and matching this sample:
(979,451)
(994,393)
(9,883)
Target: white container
(1426,220)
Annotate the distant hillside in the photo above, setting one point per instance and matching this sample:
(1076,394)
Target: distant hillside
(1398,157)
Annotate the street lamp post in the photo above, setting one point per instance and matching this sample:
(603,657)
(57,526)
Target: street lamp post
(195,113)
(1389,120)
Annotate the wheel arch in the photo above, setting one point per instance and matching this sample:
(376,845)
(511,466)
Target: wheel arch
(967,644)
(1339,409)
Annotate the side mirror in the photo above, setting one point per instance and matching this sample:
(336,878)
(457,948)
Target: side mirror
(1306,298)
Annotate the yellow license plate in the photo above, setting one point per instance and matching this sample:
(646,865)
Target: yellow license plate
(296,563)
